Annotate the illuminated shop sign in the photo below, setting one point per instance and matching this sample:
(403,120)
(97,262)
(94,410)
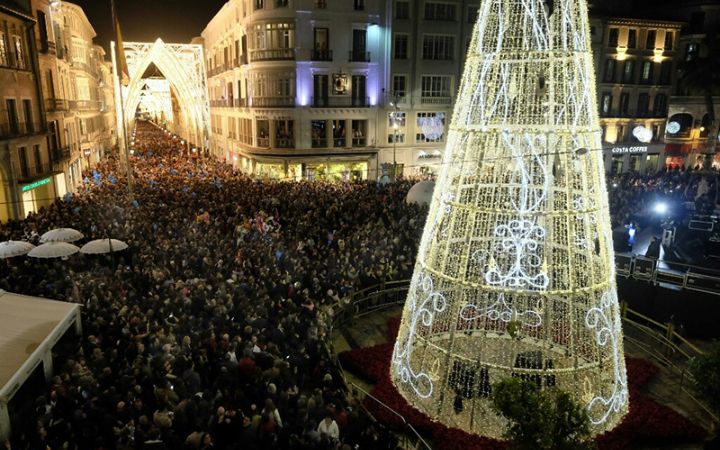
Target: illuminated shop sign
(636,149)
(30,187)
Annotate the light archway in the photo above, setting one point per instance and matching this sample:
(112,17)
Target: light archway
(184,68)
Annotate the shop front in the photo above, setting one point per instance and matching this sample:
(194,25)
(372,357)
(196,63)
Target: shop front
(426,163)
(347,169)
(633,157)
(37,194)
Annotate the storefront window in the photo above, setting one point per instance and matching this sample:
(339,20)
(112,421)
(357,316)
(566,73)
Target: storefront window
(337,171)
(617,165)
(634,163)
(651,163)
(674,162)
(271,171)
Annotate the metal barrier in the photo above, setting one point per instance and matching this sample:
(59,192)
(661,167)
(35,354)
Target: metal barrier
(659,341)
(685,276)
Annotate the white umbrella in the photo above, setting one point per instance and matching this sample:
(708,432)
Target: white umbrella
(103,246)
(421,193)
(61,235)
(53,250)
(8,249)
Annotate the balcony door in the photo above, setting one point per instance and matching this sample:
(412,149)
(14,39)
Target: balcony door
(359,46)
(358,90)
(321,44)
(320,90)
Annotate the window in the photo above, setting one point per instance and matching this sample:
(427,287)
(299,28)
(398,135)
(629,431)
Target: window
(439,11)
(321,4)
(665,72)
(38,158)
(24,170)
(669,40)
(27,108)
(11,108)
(402,10)
(42,27)
(19,52)
(606,104)
(358,5)
(259,4)
(396,137)
(609,73)
(620,133)
(628,71)
(624,104)
(431,126)
(472,14)
(281,3)
(400,51)
(613,36)
(647,72)
(632,39)
(650,40)
(397,118)
(692,50)
(399,86)
(436,86)
(437,47)
(3,50)
(660,107)
(643,105)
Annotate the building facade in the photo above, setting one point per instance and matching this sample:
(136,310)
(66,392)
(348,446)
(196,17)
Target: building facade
(636,70)
(26,177)
(296,86)
(77,87)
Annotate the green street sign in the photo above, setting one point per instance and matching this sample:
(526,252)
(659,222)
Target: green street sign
(38,183)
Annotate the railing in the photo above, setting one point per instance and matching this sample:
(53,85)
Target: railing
(344,101)
(685,276)
(61,154)
(56,104)
(322,55)
(33,172)
(263,142)
(272,102)
(276,54)
(240,102)
(445,100)
(658,341)
(319,142)
(357,56)
(281,142)
(85,105)
(359,141)
(9,130)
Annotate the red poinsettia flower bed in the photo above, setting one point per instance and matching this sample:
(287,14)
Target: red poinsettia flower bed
(647,422)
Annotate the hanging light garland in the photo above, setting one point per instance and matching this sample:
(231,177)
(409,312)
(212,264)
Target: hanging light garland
(515,274)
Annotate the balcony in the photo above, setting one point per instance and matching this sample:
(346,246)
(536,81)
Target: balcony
(358,56)
(240,102)
(277,54)
(359,141)
(61,154)
(319,142)
(281,142)
(272,102)
(33,172)
(322,55)
(85,105)
(56,104)
(263,142)
(444,100)
(339,102)
(18,129)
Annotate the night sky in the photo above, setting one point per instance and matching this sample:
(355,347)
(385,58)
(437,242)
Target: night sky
(146,20)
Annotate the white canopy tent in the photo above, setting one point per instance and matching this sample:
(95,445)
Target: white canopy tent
(29,328)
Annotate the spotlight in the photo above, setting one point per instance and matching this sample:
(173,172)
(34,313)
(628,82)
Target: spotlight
(660,208)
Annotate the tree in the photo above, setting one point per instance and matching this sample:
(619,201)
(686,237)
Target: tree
(541,419)
(705,370)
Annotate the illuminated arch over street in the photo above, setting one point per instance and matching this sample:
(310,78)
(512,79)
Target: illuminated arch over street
(184,68)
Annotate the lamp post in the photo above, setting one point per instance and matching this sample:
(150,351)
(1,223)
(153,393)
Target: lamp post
(394,105)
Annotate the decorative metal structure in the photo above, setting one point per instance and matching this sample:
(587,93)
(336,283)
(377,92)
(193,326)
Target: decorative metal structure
(515,271)
(184,68)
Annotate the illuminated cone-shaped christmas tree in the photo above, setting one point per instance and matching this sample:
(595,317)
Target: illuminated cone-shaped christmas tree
(515,274)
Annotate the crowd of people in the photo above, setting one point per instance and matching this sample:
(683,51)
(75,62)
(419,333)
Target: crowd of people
(633,196)
(211,330)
